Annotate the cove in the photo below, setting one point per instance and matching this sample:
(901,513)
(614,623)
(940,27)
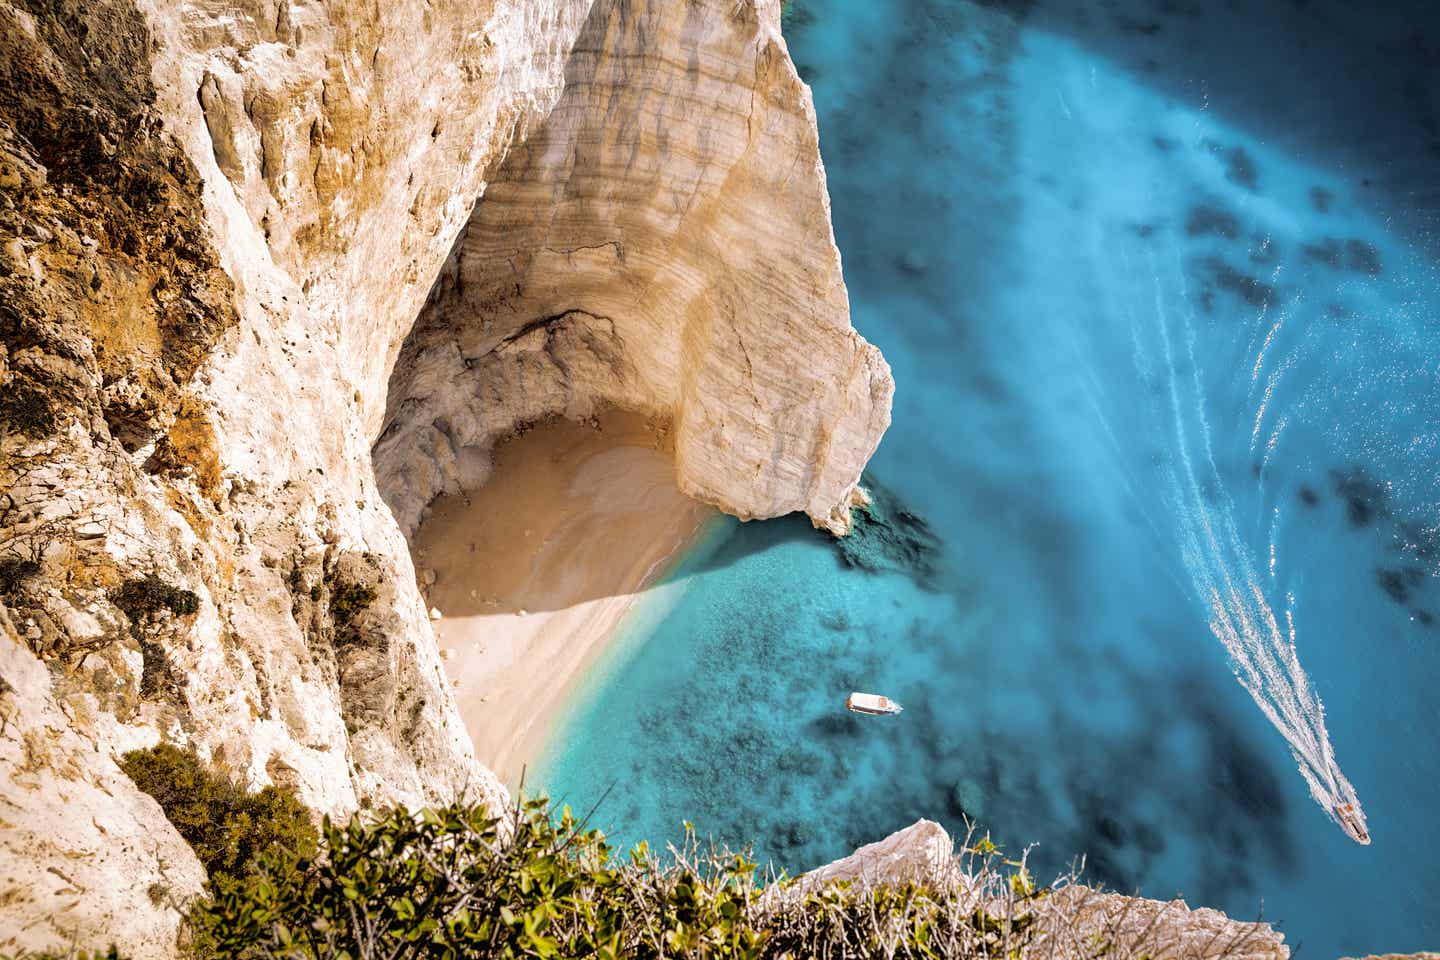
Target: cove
(1159,285)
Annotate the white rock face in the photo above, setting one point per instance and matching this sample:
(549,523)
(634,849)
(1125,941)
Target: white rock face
(343,145)
(52,872)
(661,243)
(914,853)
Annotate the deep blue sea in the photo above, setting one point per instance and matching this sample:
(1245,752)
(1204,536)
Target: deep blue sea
(1160,285)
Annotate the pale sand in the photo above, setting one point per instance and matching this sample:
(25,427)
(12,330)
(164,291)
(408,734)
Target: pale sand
(537,568)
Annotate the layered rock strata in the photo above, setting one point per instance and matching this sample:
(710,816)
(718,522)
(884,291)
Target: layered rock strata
(662,243)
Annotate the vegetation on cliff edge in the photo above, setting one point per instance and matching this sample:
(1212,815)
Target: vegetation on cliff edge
(237,835)
(458,882)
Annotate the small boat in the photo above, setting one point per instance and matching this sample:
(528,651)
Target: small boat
(873,704)
(1352,822)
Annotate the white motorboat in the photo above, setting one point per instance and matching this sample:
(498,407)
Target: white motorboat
(1352,821)
(873,704)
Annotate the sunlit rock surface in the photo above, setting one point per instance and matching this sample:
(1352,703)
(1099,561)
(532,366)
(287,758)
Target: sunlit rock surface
(195,203)
(662,243)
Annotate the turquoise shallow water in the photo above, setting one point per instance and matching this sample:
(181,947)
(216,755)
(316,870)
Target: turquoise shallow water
(1159,285)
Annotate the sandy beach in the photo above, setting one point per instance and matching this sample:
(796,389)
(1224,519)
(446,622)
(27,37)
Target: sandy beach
(535,570)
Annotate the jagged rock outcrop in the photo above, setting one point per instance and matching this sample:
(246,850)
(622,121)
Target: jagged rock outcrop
(219,220)
(914,853)
(1069,922)
(663,244)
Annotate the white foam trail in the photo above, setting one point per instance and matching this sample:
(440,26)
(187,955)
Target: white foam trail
(1223,569)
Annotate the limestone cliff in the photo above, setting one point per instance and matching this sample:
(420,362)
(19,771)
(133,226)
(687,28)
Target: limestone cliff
(219,220)
(661,243)
(194,348)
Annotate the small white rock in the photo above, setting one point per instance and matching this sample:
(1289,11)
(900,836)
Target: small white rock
(435,613)
(520,612)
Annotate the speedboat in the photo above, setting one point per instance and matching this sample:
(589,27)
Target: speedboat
(873,704)
(1352,821)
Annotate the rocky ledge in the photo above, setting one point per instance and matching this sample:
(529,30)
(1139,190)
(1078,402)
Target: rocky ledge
(1071,920)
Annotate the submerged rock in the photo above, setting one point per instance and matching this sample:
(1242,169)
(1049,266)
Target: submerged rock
(1208,218)
(967,799)
(886,536)
(1366,498)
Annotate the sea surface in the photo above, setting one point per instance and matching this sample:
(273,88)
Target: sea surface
(1160,286)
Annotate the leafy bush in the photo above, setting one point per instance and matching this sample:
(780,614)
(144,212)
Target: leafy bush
(456,882)
(15,571)
(29,410)
(452,883)
(229,828)
(144,597)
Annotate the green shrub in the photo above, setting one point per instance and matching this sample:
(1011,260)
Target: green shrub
(456,882)
(229,828)
(16,570)
(452,883)
(29,410)
(146,596)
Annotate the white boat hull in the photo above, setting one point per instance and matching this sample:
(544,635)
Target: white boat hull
(872,704)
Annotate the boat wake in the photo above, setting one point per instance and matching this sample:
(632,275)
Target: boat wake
(1222,568)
